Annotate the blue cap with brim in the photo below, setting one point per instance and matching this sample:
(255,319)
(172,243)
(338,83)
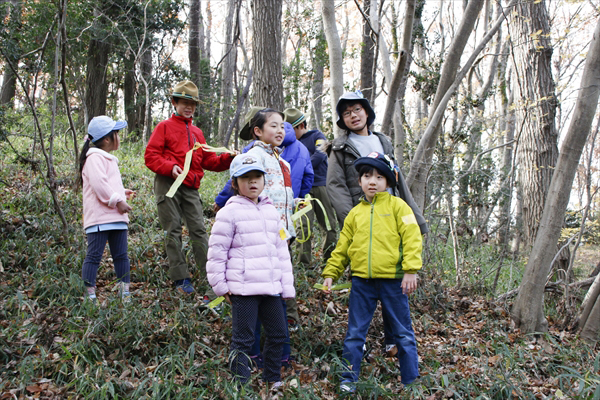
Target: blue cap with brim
(245,163)
(101,126)
(380,161)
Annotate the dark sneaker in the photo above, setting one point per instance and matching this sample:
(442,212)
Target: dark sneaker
(257,361)
(292,325)
(184,285)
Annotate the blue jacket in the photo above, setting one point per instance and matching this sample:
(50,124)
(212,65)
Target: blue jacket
(294,153)
(315,143)
(298,156)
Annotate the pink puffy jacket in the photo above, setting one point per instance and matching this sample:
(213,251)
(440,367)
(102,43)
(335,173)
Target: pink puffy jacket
(102,189)
(246,255)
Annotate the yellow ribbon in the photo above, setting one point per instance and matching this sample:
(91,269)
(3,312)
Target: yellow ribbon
(212,149)
(186,169)
(297,216)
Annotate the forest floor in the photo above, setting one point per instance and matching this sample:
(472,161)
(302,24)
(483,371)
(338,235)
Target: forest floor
(165,345)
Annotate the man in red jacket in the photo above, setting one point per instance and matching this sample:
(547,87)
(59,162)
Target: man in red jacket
(165,155)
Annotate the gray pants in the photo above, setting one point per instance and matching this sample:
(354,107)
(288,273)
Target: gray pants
(305,249)
(184,207)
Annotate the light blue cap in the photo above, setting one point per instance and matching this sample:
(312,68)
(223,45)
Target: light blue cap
(102,125)
(245,163)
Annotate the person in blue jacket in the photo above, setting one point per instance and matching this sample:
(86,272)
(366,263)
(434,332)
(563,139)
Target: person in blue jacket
(296,154)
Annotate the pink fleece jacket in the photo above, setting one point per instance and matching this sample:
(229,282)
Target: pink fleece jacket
(246,255)
(102,189)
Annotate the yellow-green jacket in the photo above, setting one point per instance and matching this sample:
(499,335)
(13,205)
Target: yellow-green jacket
(380,239)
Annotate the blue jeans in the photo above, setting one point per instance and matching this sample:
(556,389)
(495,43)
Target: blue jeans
(363,300)
(255,352)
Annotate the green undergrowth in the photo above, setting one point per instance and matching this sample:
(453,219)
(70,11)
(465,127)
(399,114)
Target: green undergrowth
(162,345)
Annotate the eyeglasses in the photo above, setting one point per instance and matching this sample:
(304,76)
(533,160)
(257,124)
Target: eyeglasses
(356,110)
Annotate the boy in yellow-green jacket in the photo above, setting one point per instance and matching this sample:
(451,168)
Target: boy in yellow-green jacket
(381,240)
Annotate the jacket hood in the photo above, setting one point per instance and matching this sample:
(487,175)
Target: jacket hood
(96,150)
(290,134)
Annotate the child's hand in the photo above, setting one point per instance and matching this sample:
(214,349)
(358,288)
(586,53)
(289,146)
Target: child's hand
(176,171)
(130,194)
(227,299)
(216,208)
(327,283)
(409,283)
(123,207)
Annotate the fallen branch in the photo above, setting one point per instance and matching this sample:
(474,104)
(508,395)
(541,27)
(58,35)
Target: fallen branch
(550,287)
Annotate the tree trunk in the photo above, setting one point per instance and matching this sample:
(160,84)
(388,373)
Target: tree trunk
(145,104)
(336,68)
(367,57)
(417,178)
(528,311)
(129,97)
(194,41)
(268,76)
(228,65)
(97,86)
(538,148)
(318,58)
(399,75)
(12,20)
(507,125)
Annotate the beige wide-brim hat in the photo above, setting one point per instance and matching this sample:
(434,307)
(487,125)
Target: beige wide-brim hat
(186,90)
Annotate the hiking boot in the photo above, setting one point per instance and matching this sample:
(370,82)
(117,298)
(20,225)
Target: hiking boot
(184,286)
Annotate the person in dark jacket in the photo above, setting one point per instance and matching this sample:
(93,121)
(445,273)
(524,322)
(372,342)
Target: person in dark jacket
(315,141)
(355,115)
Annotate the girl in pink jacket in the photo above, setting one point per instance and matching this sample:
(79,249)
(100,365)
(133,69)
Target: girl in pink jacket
(249,263)
(105,205)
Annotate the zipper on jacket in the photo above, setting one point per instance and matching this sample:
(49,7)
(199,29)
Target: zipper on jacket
(187,128)
(371,237)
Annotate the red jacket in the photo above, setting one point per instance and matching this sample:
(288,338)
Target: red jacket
(174,137)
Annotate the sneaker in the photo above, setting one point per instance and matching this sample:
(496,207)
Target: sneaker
(126,297)
(391,350)
(292,325)
(276,385)
(257,361)
(91,297)
(184,285)
(347,387)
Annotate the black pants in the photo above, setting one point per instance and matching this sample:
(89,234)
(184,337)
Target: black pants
(117,241)
(245,311)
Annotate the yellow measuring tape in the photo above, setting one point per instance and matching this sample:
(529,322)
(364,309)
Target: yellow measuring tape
(339,286)
(300,212)
(188,161)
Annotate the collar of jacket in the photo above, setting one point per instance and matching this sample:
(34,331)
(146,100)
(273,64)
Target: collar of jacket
(181,118)
(96,150)
(276,151)
(378,197)
(342,141)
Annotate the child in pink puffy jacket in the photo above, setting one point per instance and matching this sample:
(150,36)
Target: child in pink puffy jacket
(249,263)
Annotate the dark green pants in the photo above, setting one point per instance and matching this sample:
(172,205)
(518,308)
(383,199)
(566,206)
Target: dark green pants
(305,249)
(184,207)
